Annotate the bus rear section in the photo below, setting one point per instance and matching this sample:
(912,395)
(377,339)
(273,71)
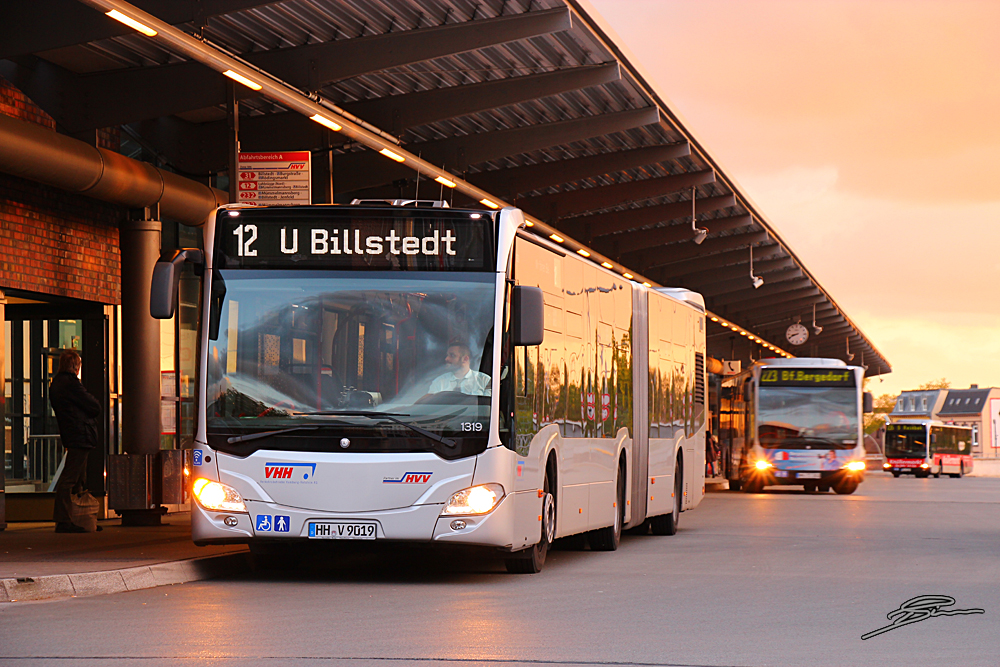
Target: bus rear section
(924,448)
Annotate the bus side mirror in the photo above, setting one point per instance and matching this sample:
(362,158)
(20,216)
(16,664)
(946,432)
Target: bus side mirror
(529,315)
(163,287)
(869,403)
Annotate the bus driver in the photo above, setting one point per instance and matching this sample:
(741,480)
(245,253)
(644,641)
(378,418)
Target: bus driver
(460,377)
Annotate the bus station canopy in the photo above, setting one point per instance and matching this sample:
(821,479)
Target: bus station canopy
(532,103)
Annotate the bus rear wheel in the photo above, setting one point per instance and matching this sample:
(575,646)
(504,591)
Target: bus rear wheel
(958,475)
(532,559)
(666,524)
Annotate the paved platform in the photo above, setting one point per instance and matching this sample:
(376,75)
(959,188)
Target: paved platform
(37,563)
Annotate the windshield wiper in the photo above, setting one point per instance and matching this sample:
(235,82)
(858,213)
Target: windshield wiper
(267,434)
(391,416)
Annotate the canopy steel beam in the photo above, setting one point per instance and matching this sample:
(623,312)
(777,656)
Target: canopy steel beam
(649,238)
(173,89)
(397,113)
(787,308)
(647,259)
(364,170)
(200,148)
(762,295)
(562,204)
(824,311)
(512,181)
(703,279)
(738,283)
(317,65)
(29,27)
(588,227)
(400,112)
(671,273)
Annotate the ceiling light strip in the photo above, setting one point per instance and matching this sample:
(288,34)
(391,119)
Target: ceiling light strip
(754,338)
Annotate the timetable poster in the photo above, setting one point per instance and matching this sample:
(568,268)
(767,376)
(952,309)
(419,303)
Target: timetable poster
(275,179)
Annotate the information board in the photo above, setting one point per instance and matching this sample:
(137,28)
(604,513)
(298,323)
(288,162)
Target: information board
(275,179)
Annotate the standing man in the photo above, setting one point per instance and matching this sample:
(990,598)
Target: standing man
(460,377)
(76,411)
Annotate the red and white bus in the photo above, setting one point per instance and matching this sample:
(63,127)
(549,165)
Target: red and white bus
(925,447)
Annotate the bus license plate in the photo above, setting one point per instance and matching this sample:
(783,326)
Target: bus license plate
(342,530)
(807,475)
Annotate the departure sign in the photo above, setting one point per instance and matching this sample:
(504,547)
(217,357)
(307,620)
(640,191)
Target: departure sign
(807,377)
(355,239)
(920,428)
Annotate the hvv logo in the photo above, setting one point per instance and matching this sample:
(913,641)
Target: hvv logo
(409,478)
(292,472)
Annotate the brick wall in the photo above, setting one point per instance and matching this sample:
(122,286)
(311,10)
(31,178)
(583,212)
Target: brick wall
(52,241)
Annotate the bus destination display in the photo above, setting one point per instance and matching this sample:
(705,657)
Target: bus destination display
(372,243)
(807,377)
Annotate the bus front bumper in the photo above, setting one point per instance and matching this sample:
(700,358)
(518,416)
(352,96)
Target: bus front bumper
(417,523)
(775,477)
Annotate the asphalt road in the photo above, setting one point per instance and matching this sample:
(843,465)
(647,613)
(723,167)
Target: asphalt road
(779,578)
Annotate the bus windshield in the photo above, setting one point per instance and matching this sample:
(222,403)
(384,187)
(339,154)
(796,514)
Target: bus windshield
(324,353)
(808,417)
(905,444)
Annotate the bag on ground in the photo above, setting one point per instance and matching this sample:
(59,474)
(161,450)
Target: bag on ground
(83,511)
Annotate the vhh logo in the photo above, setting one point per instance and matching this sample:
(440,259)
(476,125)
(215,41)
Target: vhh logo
(300,472)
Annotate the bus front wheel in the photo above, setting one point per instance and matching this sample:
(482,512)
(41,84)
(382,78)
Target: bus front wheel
(532,559)
(846,487)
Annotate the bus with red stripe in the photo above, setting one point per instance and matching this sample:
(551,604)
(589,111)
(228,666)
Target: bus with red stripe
(927,447)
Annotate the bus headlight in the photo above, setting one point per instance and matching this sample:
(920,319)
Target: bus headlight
(924,465)
(217,496)
(855,466)
(886,465)
(475,500)
(763,465)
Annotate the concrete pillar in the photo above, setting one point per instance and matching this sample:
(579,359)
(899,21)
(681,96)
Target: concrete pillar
(140,249)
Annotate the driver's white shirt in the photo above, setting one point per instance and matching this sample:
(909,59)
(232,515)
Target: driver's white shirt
(473,383)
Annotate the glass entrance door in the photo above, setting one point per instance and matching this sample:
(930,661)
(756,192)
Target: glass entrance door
(35,334)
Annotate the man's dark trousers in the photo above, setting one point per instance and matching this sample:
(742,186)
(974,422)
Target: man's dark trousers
(74,473)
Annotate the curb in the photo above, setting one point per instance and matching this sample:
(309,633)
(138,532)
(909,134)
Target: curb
(23,589)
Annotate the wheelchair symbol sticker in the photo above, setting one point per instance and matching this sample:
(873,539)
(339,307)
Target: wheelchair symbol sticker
(263,522)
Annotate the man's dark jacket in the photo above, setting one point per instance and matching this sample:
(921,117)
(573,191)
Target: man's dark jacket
(76,411)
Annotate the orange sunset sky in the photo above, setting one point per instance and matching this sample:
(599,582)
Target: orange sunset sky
(869,135)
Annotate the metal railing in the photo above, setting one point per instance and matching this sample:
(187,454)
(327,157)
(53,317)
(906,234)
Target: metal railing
(43,458)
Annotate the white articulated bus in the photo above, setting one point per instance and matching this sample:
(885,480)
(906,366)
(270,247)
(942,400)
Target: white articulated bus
(437,375)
